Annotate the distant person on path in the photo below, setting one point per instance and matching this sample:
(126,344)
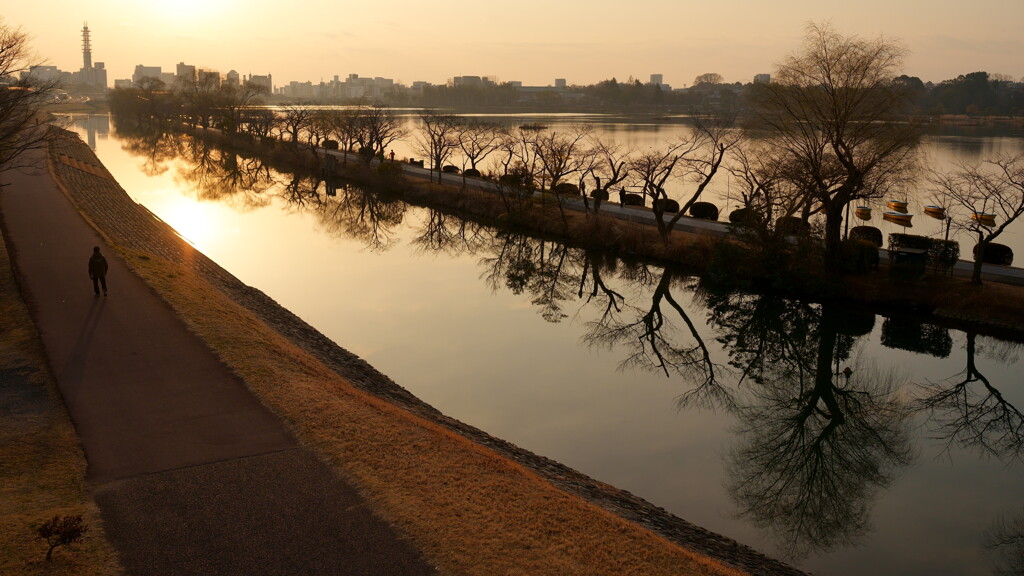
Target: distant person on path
(98,271)
(392,155)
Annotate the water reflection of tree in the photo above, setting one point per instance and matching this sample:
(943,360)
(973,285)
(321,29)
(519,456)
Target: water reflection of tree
(968,410)
(356,213)
(819,431)
(221,175)
(1006,538)
(544,269)
(651,336)
(149,142)
(450,234)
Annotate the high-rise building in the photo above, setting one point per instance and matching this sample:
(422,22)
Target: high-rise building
(762,78)
(657,79)
(92,75)
(559,82)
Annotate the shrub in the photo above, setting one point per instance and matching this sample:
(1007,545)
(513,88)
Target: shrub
(858,255)
(791,226)
(330,144)
(632,199)
(704,211)
(744,217)
(995,254)
(61,531)
(567,188)
(868,233)
(667,205)
(472,172)
(389,169)
(599,194)
(449,169)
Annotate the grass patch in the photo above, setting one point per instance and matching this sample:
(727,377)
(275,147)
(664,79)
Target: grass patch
(42,468)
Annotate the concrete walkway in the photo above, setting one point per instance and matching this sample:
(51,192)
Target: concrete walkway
(193,475)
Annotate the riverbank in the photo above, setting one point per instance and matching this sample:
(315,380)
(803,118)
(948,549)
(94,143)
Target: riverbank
(945,298)
(475,503)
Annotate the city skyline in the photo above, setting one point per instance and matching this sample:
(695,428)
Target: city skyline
(582,44)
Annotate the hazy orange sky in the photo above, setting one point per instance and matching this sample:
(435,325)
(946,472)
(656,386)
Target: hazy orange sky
(534,41)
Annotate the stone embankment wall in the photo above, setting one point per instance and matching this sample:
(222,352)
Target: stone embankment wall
(127,224)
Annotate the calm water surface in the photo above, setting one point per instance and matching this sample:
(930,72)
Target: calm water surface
(732,411)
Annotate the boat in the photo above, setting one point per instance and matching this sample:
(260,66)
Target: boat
(863,212)
(898,206)
(984,218)
(898,218)
(533,126)
(937,212)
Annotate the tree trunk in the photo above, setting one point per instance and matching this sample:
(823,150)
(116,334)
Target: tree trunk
(833,237)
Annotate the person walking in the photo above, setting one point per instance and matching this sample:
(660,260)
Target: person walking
(98,271)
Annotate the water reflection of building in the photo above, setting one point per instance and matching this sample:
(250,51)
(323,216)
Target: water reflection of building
(94,124)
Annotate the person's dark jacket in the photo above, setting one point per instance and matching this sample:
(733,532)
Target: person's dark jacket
(97,265)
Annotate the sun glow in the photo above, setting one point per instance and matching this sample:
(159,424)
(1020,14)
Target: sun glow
(196,222)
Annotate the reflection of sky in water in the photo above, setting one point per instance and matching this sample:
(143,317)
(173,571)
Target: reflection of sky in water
(429,321)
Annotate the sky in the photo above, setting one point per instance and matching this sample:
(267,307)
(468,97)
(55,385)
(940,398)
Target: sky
(533,41)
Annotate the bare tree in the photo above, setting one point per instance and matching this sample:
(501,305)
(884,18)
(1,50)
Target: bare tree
(20,100)
(836,111)
(381,128)
(477,140)
(708,78)
(560,153)
(438,138)
(295,120)
(988,196)
(611,167)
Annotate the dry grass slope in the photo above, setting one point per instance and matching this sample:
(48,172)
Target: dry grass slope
(42,468)
(470,510)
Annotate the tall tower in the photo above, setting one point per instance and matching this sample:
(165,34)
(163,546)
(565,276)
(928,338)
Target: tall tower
(86,48)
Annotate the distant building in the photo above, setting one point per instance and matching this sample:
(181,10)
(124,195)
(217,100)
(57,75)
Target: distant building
(657,80)
(123,84)
(146,72)
(90,75)
(762,78)
(232,78)
(186,73)
(265,81)
(208,78)
(560,83)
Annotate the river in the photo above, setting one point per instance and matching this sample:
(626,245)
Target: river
(735,412)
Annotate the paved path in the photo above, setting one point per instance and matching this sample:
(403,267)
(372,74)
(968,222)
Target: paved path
(192,473)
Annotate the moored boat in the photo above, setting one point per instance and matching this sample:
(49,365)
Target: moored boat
(898,218)
(937,212)
(863,212)
(898,206)
(985,218)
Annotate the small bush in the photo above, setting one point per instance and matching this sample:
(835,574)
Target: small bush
(704,211)
(472,172)
(744,217)
(868,233)
(567,188)
(599,194)
(61,531)
(1000,254)
(330,144)
(389,169)
(449,169)
(631,199)
(791,226)
(858,255)
(667,205)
